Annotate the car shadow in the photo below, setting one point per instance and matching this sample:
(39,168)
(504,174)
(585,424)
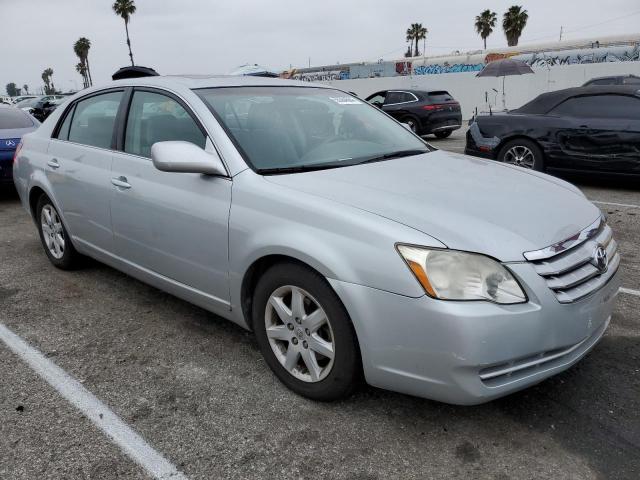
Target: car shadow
(601,181)
(8,193)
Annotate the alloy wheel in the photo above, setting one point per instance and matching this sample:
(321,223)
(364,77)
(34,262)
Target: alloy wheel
(52,231)
(299,333)
(521,156)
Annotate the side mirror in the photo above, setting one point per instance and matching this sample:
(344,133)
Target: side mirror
(185,157)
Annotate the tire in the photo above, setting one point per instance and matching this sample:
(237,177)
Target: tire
(413,124)
(54,237)
(443,133)
(332,378)
(520,152)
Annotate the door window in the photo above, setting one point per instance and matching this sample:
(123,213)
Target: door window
(600,106)
(377,99)
(93,120)
(154,117)
(399,97)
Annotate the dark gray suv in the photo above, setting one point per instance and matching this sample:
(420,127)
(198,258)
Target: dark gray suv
(424,112)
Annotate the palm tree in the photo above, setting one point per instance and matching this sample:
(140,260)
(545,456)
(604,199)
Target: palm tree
(81,49)
(513,23)
(421,34)
(25,87)
(416,33)
(485,23)
(81,68)
(49,88)
(124,9)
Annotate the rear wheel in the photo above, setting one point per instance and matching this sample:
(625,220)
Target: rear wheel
(305,333)
(55,239)
(522,153)
(443,133)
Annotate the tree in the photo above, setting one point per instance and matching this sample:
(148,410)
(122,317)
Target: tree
(485,23)
(513,23)
(416,32)
(81,49)
(25,87)
(81,68)
(49,87)
(12,91)
(124,9)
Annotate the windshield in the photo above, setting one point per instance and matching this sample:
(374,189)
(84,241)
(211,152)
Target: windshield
(284,129)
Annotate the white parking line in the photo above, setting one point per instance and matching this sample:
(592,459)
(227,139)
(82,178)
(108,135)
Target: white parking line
(122,435)
(630,292)
(628,205)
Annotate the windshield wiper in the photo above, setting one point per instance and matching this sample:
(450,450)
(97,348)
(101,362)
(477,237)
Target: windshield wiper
(301,168)
(389,156)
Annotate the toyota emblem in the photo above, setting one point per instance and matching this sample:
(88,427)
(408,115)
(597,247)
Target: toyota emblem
(600,260)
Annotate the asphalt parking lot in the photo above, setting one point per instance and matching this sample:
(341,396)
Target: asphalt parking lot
(196,389)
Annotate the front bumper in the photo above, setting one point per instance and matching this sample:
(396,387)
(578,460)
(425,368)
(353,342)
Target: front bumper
(472,352)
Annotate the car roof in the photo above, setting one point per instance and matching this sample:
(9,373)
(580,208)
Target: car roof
(213,81)
(546,101)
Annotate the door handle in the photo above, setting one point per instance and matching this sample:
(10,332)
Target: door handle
(583,127)
(53,163)
(121,182)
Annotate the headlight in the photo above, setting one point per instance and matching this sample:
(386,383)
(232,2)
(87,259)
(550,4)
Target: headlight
(453,275)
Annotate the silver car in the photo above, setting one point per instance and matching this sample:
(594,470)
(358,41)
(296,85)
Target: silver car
(351,248)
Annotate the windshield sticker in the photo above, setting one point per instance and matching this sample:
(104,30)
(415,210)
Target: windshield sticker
(346,100)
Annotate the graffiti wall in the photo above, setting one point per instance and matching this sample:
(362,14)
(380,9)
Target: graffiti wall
(472,62)
(582,56)
(436,69)
(321,76)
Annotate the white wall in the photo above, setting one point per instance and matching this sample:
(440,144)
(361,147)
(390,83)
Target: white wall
(470,91)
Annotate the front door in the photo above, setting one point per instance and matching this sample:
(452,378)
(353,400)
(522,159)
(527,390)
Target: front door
(171,224)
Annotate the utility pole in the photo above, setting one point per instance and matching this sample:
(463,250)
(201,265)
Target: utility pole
(560,32)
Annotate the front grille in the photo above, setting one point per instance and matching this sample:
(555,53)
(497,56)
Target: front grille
(572,273)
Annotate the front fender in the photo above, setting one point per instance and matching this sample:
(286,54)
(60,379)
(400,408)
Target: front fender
(339,241)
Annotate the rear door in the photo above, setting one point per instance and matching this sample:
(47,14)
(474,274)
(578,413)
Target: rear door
(171,224)
(599,133)
(79,167)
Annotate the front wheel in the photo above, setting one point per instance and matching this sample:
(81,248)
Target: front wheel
(305,333)
(522,153)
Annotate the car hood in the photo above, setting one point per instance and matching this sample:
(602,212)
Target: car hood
(466,203)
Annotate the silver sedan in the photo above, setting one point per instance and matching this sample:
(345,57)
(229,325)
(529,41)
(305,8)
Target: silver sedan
(353,249)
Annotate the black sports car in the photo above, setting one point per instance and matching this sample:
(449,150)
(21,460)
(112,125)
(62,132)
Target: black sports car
(424,112)
(593,129)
